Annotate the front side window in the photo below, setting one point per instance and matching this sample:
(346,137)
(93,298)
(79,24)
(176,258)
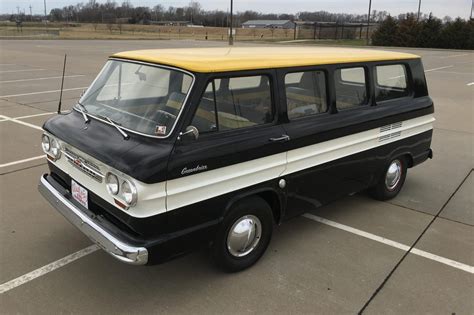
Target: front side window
(141,98)
(305,93)
(351,87)
(391,82)
(234,103)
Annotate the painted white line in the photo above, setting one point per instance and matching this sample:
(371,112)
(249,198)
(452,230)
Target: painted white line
(21,122)
(43,92)
(386,241)
(469,84)
(46,78)
(35,115)
(23,70)
(23,161)
(7,286)
(452,56)
(434,69)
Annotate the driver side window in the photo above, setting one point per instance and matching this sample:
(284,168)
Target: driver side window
(234,103)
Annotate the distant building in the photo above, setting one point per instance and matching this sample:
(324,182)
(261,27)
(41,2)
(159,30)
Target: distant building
(268,24)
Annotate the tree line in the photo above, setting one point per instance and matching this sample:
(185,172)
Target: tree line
(408,31)
(111,12)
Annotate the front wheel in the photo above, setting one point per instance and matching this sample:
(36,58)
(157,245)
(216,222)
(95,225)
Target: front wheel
(244,235)
(391,181)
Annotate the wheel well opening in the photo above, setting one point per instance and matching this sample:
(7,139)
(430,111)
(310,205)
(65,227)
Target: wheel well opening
(274,202)
(409,160)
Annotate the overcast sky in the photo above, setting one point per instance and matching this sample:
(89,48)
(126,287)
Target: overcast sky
(440,8)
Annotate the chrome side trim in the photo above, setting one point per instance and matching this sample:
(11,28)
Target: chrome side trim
(92,228)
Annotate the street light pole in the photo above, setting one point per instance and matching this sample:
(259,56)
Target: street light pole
(472,4)
(368,21)
(419,7)
(45,10)
(231,37)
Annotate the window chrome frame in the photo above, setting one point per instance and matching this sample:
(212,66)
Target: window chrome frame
(156,66)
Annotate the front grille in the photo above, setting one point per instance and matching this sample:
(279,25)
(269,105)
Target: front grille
(83,165)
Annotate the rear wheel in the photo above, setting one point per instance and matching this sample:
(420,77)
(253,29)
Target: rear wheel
(391,181)
(244,235)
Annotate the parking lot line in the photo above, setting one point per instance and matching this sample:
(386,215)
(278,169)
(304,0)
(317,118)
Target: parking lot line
(42,92)
(452,56)
(20,122)
(22,70)
(469,84)
(440,68)
(23,161)
(45,78)
(35,115)
(443,260)
(7,286)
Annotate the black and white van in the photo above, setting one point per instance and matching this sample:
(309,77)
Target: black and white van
(173,149)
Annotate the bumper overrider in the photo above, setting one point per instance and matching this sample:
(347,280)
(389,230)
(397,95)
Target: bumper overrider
(91,226)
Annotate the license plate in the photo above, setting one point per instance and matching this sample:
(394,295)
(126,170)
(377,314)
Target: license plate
(79,194)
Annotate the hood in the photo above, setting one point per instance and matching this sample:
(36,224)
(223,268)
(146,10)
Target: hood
(140,157)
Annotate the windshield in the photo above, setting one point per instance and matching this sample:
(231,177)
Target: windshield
(141,98)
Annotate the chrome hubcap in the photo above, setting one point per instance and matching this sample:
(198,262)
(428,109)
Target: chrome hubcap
(244,235)
(394,174)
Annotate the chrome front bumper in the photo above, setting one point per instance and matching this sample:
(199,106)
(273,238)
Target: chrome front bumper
(91,227)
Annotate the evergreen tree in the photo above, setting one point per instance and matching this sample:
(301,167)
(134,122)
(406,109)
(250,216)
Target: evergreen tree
(386,33)
(429,35)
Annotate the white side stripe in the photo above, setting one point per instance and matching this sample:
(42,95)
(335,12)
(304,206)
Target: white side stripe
(191,189)
(7,286)
(386,241)
(313,155)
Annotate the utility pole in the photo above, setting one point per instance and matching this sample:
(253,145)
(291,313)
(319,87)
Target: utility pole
(18,10)
(419,7)
(368,21)
(472,3)
(31,14)
(231,37)
(45,15)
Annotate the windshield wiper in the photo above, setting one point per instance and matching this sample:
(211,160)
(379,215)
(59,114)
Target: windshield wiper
(83,111)
(115,124)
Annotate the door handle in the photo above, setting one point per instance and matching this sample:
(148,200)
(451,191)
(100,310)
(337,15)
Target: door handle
(283,138)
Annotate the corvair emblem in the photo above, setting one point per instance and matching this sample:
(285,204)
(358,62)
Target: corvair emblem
(198,168)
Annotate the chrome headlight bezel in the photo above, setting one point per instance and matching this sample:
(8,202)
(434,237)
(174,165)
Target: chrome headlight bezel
(129,193)
(110,178)
(55,148)
(45,143)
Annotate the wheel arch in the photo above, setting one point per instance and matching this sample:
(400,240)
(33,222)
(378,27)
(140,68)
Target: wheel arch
(274,198)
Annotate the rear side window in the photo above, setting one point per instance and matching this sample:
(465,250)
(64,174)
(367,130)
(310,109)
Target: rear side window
(391,82)
(351,87)
(305,93)
(234,103)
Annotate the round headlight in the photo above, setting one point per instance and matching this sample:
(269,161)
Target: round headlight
(55,149)
(129,193)
(45,144)
(112,183)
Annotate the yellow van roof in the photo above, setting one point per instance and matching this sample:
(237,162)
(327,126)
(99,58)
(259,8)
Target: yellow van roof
(223,59)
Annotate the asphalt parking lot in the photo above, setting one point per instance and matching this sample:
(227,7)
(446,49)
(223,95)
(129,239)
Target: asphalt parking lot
(344,258)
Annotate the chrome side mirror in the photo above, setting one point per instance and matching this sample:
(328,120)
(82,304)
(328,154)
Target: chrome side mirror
(190,130)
